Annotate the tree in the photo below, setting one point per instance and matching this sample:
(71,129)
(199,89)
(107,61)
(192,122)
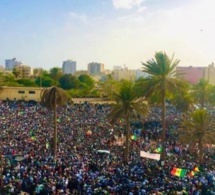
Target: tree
(68,81)
(201,93)
(86,81)
(108,87)
(161,81)
(10,80)
(2,79)
(183,100)
(56,73)
(39,72)
(44,81)
(212,96)
(16,72)
(51,98)
(127,105)
(27,82)
(197,129)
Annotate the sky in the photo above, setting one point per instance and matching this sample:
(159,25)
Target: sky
(44,33)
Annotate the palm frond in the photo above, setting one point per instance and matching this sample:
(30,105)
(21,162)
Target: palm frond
(197,127)
(53,96)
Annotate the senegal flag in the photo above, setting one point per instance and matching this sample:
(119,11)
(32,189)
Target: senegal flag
(33,138)
(178,172)
(31,133)
(192,173)
(158,150)
(198,169)
(134,137)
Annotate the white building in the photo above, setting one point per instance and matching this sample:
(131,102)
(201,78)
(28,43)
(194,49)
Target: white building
(25,71)
(140,73)
(69,67)
(117,68)
(123,73)
(10,63)
(95,68)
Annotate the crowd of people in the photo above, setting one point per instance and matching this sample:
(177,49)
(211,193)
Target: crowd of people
(28,165)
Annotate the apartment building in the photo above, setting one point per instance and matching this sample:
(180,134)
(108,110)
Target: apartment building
(24,71)
(69,67)
(11,63)
(95,68)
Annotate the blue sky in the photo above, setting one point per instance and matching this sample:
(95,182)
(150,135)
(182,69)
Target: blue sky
(44,33)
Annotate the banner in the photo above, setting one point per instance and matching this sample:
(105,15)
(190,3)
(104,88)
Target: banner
(150,155)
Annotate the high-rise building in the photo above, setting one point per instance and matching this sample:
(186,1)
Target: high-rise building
(69,67)
(10,63)
(124,73)
(190,73)
(95,68)
(24,71)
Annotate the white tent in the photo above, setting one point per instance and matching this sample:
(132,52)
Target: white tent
(103,151)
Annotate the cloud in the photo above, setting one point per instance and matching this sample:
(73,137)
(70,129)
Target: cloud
(141,9)
(126,4)
(81,17)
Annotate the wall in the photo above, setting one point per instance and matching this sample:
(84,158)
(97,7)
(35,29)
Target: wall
(20,93)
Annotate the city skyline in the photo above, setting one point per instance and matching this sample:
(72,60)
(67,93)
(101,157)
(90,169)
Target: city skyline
(114,32)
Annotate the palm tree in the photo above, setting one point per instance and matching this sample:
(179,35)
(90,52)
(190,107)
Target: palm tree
(161,81)
(183,100)
(197,129)
(201,93)
(51,98)
(127,105)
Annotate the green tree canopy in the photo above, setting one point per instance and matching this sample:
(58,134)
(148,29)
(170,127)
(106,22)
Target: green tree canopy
(198,129)
(68,81)
(86,81)
(183,99)
(10,80)
(27,82)
(16,72)
(202,93)
(44,81)
(109,87)
(56,73)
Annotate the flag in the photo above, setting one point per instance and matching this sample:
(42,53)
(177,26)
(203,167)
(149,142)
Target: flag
(58,120)
(150,155)
(47,145)
(178,172)
(158,150)
(121,120)
(31,133)
(33,138)
(89,132)
(198,169)
(192,173)
(134,137)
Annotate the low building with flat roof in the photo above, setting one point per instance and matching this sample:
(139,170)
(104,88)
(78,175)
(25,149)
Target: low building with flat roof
(20,93)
